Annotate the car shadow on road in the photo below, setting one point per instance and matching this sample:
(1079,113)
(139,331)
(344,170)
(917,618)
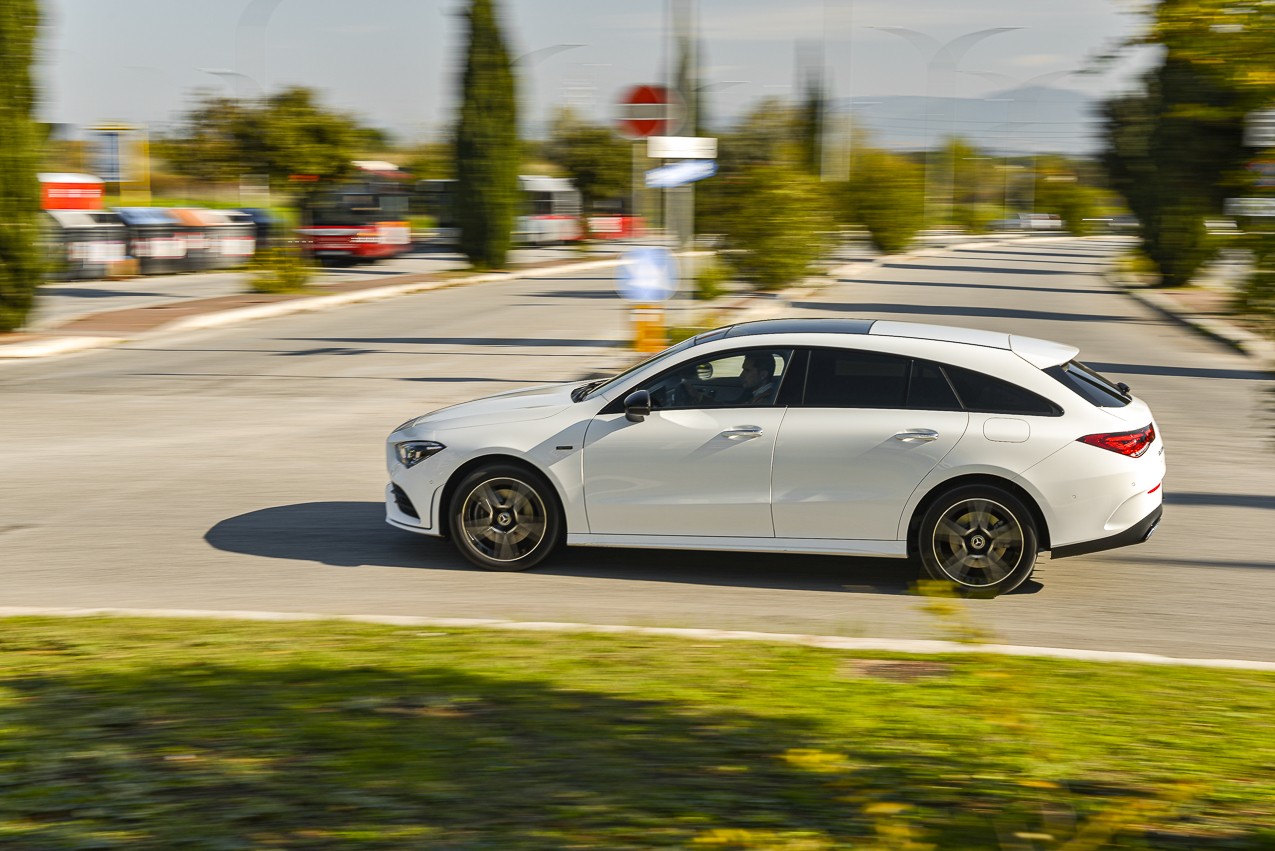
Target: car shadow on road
(354,534)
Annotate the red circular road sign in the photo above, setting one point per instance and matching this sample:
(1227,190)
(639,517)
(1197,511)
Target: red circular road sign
(649,110)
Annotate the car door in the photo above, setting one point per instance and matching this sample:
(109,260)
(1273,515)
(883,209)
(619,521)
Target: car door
(870,427)
(698,465)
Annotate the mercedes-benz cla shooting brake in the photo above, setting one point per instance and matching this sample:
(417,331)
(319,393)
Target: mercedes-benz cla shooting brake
(970,451)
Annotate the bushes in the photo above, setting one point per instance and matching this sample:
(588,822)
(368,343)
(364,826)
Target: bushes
(279,269)
(710,281)
(886,195)
(775,224)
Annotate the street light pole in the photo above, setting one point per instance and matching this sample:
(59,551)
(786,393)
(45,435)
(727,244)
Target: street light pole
(530,58)
(944,56)
(256,14)
(1039,80)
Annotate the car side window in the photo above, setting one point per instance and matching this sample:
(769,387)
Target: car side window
(846,378)
(741,378)
(985,394)
(929,389)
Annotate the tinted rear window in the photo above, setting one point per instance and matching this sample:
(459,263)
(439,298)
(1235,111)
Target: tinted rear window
(843,378)
(979,392)
(1096,388)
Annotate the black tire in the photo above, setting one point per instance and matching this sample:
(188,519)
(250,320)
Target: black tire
(979,538)
(505,517)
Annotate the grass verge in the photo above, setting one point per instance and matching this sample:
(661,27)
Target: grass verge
(119,733)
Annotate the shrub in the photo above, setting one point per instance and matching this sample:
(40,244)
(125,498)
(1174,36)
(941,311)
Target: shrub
(710,281)
(886,195)
(279,269)
(776,225)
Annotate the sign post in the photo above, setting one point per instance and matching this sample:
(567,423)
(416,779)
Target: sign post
(647,278)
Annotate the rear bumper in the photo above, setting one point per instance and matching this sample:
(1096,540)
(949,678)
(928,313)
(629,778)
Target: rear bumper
(1135,534)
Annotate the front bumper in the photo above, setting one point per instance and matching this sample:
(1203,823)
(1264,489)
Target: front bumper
(1135,534)
(402,513)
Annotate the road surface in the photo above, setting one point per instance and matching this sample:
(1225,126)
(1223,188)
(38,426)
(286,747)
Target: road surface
(242,469)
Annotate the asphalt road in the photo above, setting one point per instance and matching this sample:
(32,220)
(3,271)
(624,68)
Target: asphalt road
(241,469)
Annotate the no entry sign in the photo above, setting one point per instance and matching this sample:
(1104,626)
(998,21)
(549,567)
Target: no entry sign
(649,110)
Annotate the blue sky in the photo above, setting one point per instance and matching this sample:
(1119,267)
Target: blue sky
(394,61)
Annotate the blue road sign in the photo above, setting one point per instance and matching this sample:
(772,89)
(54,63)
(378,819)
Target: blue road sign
(647,275)
(676,174)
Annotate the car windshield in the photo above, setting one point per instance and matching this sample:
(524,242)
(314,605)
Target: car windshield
(588,391)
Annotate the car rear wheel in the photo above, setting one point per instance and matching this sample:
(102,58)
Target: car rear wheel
(505,518)
(980,538)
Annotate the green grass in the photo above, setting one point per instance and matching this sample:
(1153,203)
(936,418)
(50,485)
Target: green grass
(156,734)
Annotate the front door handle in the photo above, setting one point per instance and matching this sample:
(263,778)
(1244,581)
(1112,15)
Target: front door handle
(917,435)
(742,432)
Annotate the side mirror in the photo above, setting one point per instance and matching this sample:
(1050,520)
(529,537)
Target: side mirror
(1122,387)
(637,406)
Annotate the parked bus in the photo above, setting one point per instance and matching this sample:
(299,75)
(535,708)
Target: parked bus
(549,212)
(356,222)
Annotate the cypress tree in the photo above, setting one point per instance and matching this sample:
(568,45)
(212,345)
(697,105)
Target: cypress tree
(487,151)
(19,188)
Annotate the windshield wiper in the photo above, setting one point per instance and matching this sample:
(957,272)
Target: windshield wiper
(585,389)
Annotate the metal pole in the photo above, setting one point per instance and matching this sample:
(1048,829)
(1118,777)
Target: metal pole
(635,204)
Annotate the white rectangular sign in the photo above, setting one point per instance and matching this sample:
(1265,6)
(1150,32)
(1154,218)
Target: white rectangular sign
(1259,129)
(681,148)
(1249,207)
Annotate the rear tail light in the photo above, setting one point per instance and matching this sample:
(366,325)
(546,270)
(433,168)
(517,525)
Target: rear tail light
(1131,443)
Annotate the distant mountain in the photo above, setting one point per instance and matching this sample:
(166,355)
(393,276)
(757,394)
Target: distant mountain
(1033,119)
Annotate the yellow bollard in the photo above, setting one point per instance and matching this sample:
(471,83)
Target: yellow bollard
(649,335)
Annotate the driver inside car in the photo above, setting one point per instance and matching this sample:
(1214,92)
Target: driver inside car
(757,385)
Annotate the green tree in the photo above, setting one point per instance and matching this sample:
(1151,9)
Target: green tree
(810,120)
(766,136)
(777,225)
(1169,152)
(1174,151)
(487,150)
(599,162)
(1060,190)
(19,159)
(885,195)
(285,134)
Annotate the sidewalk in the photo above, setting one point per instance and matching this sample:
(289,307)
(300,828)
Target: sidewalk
(144,307)
(1207,309)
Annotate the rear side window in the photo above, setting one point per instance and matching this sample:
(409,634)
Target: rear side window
(979,392)
(1096,388)
(929,389)
(843,378)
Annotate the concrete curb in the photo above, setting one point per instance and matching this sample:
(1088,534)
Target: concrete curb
(827,642)
(48,345)
(1240,339)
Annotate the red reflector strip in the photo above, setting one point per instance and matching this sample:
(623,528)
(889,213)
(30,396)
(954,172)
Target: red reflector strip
(1156,488)
(1130,443)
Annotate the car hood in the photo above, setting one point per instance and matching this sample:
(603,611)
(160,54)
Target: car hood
(531,403)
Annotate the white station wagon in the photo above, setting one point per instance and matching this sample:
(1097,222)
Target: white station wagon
(971,451)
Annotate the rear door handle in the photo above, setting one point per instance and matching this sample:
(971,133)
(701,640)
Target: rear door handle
(743,431)
(917,435)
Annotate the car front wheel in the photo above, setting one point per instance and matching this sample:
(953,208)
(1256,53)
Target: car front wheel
(980,538)
(505,517)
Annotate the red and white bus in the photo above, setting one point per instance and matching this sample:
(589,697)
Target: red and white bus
(356,222)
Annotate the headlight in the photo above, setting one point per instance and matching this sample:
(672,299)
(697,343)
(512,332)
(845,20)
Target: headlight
(412,452)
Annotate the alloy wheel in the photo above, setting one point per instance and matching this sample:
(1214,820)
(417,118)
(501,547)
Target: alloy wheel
(503,519)
(977,543)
